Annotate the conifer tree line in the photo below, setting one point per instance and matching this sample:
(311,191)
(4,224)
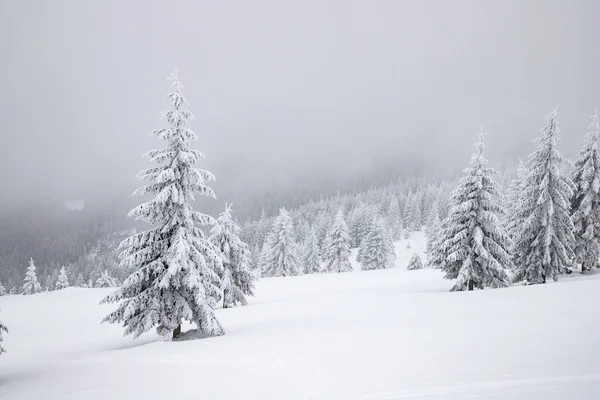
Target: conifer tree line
(545,225)
(486,230)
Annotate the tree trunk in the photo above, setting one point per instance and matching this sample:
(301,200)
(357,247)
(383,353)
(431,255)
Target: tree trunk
(470,284)
(177,331)
(544,278)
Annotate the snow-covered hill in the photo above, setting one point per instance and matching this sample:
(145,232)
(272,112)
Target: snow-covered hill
(390,334)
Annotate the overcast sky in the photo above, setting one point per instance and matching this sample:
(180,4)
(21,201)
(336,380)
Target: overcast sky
(284,91)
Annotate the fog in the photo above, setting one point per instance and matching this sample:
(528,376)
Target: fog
(285,93)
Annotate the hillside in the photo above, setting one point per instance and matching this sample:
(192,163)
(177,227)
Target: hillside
(389,334)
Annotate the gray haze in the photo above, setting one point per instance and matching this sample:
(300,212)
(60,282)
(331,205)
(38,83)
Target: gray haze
(285,92)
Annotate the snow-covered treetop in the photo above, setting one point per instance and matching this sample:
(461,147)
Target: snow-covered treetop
(477,159)
(175,181)
(547,143)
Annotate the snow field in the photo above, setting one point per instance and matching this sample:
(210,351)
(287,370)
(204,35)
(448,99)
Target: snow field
(385,334)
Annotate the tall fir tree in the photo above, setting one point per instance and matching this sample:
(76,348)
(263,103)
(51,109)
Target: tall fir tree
(585,203)
(544,240)
(473,247)
(3,328)
(338,250)
(377,249)
(176,268)
(282,258)
(237,278)
(311,259)
(30,283)
(63,281)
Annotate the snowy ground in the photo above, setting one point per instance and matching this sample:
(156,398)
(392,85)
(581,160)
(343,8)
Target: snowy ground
(392,334)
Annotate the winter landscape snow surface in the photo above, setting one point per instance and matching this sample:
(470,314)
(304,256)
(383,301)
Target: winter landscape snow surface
(386,334)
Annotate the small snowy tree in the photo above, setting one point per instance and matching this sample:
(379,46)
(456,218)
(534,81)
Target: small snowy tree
(544,241)
(237,279)
(585,203)
(338,242)
(473,247)
(415,262)
(176,268)
(30,283)
(2,329)
(311,259)
(377,248)
(282,258)
(63,281)
(2,290)
(105,280)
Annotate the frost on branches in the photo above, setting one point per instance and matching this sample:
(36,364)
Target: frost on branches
(415,262)
(310,258)
(338,242)
(2,329)
(2,290)
(377,249)
(177,268)
(62,282)
(30,283)
(544,240)
(585,204)
(473,246)
(106,281)
(237,279)
(281,258)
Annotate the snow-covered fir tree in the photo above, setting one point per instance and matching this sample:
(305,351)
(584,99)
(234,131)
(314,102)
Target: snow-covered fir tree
(585,203)
(237,279)
(415,262)
(30,283)
(433,228)
(377,249)
(105,280)
(263,257)
(473,246)
(255,260)
(282,257)
(413,213)
(3,328)
(513,201)
(177,269)
(63,281)
(544,241)
(338,242)
(2,290)
(80,281)
(311,259)
(13,291)
(394,218)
